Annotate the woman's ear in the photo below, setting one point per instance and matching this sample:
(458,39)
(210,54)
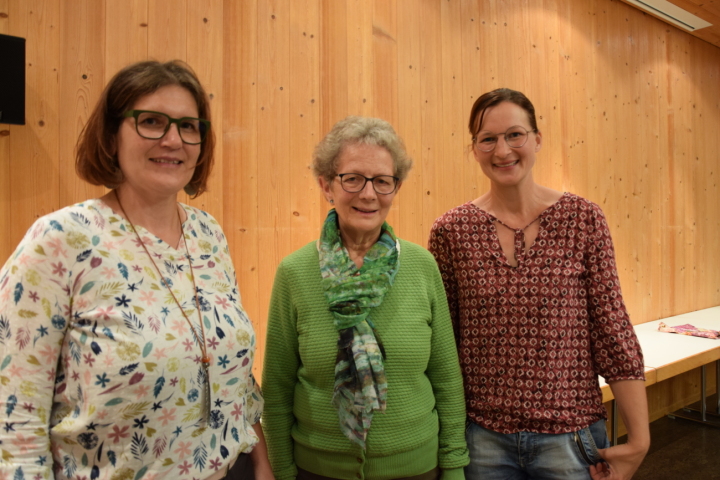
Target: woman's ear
(538,141)
(325,186)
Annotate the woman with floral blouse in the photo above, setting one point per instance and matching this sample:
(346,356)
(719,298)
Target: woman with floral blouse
(126,353)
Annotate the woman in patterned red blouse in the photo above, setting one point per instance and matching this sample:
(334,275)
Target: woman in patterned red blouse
(538,314)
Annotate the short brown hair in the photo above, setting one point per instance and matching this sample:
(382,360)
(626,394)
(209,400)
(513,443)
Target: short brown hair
(363,130)
(491,99)
(96,159)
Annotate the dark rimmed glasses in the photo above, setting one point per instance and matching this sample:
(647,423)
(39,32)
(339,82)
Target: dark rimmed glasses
(515,136)
(382,184)
(154,125)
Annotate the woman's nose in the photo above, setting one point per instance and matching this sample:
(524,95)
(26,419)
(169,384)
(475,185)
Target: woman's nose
(502,149)
(368,190)
(172,137)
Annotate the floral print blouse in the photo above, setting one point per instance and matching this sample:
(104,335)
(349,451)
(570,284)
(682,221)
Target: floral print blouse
(100,374)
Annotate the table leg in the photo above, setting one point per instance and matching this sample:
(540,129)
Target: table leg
(691,413)
(717,385)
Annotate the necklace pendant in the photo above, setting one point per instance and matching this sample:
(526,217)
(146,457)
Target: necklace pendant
(206,361)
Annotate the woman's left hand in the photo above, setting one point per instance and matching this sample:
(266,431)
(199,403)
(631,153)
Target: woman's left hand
(621,462)
(264,473)
(259,456)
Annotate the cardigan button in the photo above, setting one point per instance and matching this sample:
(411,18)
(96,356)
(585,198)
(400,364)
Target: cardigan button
(360,460)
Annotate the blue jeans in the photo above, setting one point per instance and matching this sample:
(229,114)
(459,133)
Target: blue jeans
(537,456)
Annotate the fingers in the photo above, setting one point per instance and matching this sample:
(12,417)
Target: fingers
(600,471)
(603,453)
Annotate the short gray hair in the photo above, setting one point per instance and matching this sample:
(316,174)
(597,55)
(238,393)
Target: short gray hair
(363,130)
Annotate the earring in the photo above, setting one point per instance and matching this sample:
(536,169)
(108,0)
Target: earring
(332,202)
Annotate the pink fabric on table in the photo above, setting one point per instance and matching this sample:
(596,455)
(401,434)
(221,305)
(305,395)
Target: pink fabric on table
(688,329)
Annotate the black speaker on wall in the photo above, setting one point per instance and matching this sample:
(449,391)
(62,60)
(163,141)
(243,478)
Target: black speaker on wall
(12,80)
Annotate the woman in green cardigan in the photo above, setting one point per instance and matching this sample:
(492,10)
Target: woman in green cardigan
(361,376)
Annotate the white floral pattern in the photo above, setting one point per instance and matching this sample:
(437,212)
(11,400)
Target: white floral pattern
(100,375)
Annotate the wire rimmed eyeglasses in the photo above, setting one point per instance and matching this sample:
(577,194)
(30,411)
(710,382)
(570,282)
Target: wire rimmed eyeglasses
(382,184)
(154,125)
(515,136)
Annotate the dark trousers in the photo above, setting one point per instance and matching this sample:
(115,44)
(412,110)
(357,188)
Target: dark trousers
(242,470)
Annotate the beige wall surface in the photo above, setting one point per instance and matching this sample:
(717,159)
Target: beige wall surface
(629,108)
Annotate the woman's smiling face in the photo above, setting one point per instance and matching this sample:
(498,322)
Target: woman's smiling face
(363,213)
(507,166)
(163,166)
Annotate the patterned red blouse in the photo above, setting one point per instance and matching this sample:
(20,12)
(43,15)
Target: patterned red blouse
(532,339)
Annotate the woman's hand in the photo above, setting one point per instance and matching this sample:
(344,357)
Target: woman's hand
(622,461)
(259,456)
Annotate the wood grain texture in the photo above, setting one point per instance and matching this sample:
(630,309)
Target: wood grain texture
(6,245)
(82,72)
(34,189)
(628,107)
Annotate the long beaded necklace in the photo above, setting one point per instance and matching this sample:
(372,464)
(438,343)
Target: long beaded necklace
(200,338)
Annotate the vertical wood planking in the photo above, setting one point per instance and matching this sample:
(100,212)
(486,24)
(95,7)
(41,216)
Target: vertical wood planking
(167,30)
(359,18)
(275,157)
(409,200)
(240,159)
(431,109)
(205,56)
(81,80)
(450,159)
(34,149)
(6,246)
(126,34)
(307,205)
(333,63)
(480,70)
(384,55)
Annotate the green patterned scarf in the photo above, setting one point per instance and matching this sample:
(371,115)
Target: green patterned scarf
(360,384)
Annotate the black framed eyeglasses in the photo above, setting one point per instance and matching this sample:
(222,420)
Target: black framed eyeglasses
(382,184)
(515,136)
(154,125)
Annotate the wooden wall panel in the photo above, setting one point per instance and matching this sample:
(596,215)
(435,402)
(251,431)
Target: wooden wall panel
(451,123)
(275,157)
(406,213)
(307,205)
(34,148)
(240,155)
(205,55)
(126,34)
(6,245)
(628,107)
(167,30)
(81,78)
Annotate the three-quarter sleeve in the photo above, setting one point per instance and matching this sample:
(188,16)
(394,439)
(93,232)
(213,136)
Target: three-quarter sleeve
(34,314)
(280,376)
(615,347)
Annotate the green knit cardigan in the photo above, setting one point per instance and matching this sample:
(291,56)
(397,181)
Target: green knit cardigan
(424,423)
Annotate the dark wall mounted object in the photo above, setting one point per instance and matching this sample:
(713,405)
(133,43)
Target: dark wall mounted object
(12,80)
